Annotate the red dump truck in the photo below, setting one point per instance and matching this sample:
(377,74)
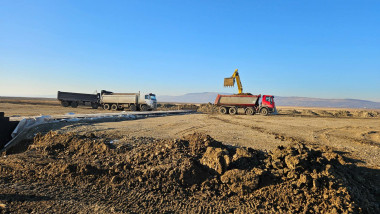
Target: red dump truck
(250,103)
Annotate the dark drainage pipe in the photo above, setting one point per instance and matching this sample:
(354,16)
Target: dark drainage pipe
(6,129)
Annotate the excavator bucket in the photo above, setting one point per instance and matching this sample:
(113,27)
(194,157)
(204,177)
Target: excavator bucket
(229,82)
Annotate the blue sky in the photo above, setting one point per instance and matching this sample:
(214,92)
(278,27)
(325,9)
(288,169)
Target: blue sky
(325,49)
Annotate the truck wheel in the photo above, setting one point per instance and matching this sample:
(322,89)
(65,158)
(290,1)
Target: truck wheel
(114,107)
(94,105)
(249,111)
(65,103)
(223,110)
(106,106)
(144,108)
(133,107)
(264,111)
(74,104)
(232,110)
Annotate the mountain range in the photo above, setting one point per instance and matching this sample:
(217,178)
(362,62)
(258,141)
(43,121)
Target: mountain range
(207,97)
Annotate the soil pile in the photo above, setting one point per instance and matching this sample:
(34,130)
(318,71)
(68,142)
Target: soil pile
(204,108)
(75,173)
(331,113)
(208,108)
(168,106)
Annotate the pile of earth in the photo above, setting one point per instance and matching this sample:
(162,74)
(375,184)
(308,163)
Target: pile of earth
(331,113)
(75,173)
(208,108)
(204,108)
(168,106)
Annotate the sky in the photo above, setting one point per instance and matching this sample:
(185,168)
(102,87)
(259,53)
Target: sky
(314,48)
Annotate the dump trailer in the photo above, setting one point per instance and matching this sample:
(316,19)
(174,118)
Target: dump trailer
(75,99)
(250,103)
(131,101)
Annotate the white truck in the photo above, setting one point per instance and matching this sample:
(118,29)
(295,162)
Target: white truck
(131,101)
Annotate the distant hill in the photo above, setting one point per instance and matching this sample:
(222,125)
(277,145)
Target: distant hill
(207,97)
(204,97)
(333,103)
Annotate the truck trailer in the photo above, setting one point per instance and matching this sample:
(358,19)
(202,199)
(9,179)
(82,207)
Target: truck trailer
(75,99)
(109,100)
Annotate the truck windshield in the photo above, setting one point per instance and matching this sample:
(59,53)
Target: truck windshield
(153,97)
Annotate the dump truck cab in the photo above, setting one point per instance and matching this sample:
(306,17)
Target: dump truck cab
(151,100)
(267,105)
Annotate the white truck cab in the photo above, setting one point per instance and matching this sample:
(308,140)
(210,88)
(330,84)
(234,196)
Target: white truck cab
(150,100)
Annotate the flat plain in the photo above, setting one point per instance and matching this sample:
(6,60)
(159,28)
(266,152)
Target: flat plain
(352,134)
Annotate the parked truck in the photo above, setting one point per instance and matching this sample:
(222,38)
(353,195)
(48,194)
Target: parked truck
(109,100)
(131,101)
(250,103)
(75,99)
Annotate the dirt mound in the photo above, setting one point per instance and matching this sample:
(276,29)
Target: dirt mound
(331,113)
(208,108)
(309,112)
(325,113)
(75,173)
(366,114)
(324,176)
(169,106)
(204,108)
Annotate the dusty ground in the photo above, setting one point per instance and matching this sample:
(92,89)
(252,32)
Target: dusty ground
(42,177)
(36,106)
(361,137)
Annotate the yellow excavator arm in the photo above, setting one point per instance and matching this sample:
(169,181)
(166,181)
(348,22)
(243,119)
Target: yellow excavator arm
(230,81)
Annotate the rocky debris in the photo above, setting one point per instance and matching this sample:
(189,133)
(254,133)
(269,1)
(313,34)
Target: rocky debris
(216,159)
(241,181)
(199,142)
(88,173)
(245,158)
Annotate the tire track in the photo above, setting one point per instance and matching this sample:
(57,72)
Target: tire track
(279,136)
(191,129)
(325,135)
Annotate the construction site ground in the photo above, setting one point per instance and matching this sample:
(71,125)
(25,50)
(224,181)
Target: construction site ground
(302,160)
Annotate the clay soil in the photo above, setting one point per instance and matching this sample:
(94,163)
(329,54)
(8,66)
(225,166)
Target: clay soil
(302,160)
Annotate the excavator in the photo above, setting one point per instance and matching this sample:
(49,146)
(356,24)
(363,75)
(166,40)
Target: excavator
(250,103)
(230,81)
